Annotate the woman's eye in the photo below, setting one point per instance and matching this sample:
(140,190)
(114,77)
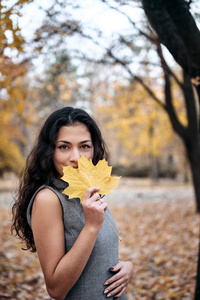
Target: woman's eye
(85,146)
(63,147)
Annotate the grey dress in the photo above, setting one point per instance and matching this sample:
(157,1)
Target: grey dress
(90,285)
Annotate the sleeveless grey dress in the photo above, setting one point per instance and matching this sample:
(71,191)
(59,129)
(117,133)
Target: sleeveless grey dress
(90,285)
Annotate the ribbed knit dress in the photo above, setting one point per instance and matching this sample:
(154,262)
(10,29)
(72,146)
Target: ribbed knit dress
(90,285)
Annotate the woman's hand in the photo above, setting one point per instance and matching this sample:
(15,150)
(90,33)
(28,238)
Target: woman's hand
(94,208)
(117,284)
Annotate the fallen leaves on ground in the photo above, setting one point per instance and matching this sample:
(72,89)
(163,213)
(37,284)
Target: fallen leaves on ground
(20,273)
(160,238)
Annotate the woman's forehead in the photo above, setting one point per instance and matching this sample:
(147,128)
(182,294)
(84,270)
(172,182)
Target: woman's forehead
(74,131)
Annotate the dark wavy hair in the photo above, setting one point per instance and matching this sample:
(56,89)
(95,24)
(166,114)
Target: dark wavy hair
(39,168)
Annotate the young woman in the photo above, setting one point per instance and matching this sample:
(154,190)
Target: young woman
(76,246)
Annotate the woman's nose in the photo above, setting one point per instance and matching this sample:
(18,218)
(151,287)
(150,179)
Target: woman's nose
(74,155)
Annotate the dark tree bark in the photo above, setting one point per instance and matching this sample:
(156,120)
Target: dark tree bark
(177,30)
(197,289)
(189,134)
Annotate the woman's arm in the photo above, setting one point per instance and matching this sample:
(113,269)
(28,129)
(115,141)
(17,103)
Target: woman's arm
(61,271)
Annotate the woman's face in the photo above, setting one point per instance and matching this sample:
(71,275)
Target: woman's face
(72,141)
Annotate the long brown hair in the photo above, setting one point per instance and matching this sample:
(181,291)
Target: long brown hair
(40,170)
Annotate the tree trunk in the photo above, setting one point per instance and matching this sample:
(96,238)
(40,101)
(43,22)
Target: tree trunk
(193,151)
(197,288)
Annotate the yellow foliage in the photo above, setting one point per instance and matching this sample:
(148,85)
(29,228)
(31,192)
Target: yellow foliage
(124,161)
(50,88)
(65,96)
(87,175)
(11,74)
(61,80)
(13,90)
(7,24)
(141,125)
(10,155)
(20,107)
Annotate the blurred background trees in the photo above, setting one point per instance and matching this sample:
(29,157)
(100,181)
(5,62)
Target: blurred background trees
(78,55)
(13,119)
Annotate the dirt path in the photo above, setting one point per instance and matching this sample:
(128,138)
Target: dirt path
(129,190)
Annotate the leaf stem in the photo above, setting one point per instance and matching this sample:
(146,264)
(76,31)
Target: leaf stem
(120,239)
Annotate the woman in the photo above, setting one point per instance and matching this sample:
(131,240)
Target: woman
(76,246)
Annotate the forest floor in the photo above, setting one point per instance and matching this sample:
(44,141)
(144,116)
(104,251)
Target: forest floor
(160,234)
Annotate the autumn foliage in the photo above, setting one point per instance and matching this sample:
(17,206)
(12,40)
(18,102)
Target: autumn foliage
(12,95)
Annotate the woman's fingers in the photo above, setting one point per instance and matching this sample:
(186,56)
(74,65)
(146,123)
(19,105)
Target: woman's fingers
(115,290)
(92,195)
(115,285)
(90,192)
(103,204)
(94,208)
(120,293)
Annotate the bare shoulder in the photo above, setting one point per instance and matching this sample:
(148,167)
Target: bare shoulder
(47,199)
(46,193)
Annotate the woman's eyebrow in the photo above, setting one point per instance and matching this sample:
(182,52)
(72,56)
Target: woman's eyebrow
(61,141)
(66,142)
(86,141)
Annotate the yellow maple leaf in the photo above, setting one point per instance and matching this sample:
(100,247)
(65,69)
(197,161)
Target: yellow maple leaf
(88,175)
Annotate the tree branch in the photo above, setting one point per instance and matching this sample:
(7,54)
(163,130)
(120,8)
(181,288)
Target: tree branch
(167,31)
(149,37)
(190,104)
(178,127)
(188,31)
(165,66)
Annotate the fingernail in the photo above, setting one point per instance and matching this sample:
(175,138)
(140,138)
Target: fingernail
(111,269)
(106,283)
(109,295)
(105,291)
